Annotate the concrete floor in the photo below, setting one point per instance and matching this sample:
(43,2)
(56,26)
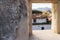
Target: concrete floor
(44,35)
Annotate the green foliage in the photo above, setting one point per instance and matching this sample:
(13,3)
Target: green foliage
(36,12)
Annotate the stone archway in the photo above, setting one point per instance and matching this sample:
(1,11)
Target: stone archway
(55,14)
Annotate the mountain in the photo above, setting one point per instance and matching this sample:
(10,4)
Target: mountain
(43,9)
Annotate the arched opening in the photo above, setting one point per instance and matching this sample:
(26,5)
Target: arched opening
(54,16)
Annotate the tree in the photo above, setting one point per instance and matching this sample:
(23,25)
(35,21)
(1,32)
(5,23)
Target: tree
(36,12)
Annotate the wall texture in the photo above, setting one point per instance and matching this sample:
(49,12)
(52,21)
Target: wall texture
(58,17)
(11,13)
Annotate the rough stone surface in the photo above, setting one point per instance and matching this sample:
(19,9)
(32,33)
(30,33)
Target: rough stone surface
(11,11)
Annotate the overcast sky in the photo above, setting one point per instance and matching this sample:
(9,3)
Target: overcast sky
(41,5)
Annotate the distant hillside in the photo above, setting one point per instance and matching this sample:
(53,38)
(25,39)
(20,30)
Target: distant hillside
(43,9)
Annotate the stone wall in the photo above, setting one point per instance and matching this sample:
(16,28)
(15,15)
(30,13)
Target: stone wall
(11,12)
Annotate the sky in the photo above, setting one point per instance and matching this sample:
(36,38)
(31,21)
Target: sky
(41,5)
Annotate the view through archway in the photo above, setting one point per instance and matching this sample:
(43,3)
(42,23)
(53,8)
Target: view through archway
(41,16)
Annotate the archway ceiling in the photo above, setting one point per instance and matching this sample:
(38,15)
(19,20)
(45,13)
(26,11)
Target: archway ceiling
(44,1)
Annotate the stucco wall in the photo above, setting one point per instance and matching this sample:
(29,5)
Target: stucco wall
(58,16)
(54,17)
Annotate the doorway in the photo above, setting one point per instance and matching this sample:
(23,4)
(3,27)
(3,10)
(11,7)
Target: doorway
(54,14)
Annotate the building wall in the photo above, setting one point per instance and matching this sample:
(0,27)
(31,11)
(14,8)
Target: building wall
(54,17)
(30,16)
(13,20)
(58,17)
